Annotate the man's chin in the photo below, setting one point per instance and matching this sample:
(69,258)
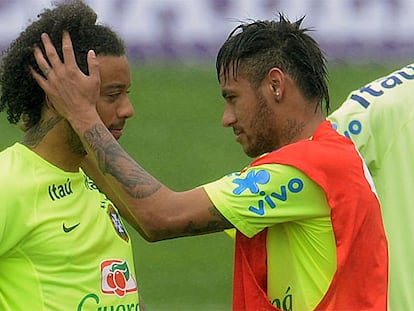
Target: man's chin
(249,152)
(253,152)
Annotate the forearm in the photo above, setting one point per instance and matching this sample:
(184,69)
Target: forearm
(90,167)
(117,174)
(113,160)
(157,212)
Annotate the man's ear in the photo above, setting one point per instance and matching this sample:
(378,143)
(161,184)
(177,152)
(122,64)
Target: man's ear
(276,82)
(24,125)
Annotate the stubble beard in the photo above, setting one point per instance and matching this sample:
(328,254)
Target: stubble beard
(263,139)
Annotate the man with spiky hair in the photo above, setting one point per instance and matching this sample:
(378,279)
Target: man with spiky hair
(309,229)
(63,245)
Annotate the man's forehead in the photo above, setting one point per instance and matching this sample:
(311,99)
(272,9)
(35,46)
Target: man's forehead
(233,84)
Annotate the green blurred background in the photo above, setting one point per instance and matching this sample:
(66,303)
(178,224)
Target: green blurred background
(176,134)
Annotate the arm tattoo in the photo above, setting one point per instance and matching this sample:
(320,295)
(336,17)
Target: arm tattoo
(220,223)
(112,159)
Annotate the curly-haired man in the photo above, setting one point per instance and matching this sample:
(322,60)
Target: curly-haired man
(63,245)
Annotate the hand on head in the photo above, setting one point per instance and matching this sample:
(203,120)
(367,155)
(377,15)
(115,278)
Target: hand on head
(70,92)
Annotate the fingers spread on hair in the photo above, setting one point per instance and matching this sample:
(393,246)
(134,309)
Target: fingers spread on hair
(51,53)
(67,49)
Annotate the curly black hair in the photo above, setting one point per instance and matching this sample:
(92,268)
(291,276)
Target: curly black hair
(258,46)
(20,94)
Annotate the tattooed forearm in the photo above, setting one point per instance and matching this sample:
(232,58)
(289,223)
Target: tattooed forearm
(216,224)
(220,223)
(113,160)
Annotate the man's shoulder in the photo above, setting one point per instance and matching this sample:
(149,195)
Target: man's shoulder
(8,159)
(390,90)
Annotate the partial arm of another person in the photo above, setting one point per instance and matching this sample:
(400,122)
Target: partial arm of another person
(149,205)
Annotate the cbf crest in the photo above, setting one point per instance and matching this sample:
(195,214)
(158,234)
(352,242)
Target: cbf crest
(117,223)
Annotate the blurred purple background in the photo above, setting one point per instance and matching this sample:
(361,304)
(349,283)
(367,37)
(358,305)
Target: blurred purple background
(194,29)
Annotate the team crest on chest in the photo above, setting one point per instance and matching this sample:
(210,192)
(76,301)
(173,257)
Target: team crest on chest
(117,223)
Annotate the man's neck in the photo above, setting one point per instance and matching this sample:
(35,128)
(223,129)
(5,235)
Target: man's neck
(50,143)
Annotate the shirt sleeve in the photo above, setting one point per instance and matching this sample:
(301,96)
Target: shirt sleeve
(375,115)
(352,119)
(264,195)
(13,218)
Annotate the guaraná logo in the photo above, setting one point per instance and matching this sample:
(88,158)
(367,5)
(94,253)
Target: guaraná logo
(116,278)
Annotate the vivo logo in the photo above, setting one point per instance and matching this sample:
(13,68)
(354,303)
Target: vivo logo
(271,200)
(252,181)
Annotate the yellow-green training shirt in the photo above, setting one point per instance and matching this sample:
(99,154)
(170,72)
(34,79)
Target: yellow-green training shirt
(63,245)
(301,251)
(379,119)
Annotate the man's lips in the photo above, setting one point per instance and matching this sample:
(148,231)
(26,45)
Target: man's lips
(116,133)
(237,133)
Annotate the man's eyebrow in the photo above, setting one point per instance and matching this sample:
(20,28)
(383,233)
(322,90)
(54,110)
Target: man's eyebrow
(114,86)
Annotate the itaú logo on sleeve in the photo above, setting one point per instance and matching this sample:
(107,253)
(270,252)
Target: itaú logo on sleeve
(270,199)
(116,278)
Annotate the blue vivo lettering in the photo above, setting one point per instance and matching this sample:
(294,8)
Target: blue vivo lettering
(377,88)
(295,185)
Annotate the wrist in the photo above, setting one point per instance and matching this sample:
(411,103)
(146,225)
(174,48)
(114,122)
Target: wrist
(82,122)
